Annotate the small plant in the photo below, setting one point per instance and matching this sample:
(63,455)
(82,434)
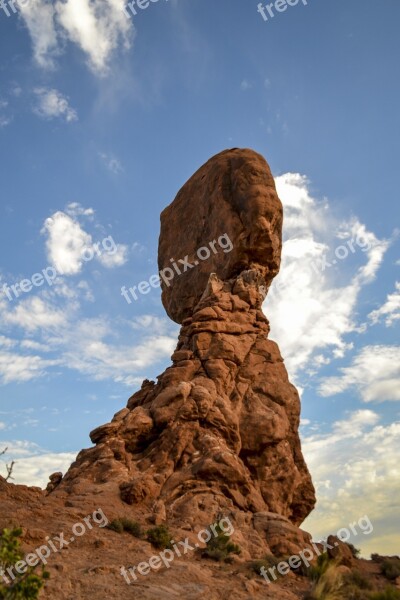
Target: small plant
(315,572)
(132,527)
(159,537)
(376,557)
(220,547)
(123,524)
(390,568)
(355,551)
(357,579)
(329,585)
(9,468)
(24,586)
(116,526)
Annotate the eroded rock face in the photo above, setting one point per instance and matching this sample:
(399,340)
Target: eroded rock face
(233,194)
(218,432)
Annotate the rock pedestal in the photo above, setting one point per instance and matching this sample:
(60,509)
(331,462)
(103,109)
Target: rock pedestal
(218,432)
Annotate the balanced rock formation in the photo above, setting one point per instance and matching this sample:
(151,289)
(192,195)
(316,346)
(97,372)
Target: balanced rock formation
(218,432)
(233,194)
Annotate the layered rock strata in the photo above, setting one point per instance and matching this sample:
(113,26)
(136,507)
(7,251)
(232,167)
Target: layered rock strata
(218,432)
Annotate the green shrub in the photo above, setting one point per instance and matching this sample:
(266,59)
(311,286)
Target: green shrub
(315,572)
(132,527)
(159,537)
(220,547)
(376,557)
(354,593)
(124,524)
(329,585)
(355,551)
(389,594)
(116,526)
(357,579)
(24,586)
(390,568)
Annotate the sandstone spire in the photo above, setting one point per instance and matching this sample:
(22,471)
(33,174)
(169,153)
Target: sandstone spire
(218,432)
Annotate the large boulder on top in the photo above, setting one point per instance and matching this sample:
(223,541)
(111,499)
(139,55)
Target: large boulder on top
(227,218)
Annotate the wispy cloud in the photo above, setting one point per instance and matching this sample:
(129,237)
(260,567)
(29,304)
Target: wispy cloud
(98,28)
(17,368)
(111,163)
(74,210)
(39,19)
(34,313)
(324,290)
(4,121)
(69,245)
(374,374)
(33,465)
(390,311)
(245,85)
(116,259)
(59,336)
(52,104)
(66,241)
(356,472)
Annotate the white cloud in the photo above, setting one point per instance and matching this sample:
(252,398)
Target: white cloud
(16,90)
(116,258)
(111,163)
(374,373)
(93,347)
(34,313)
(88,352)
(356,472)
(66,242)
(32,345)
(51,104)
(39,19)
(74,209)
(245,85)
(390,310)
(69,245)
(7,342)
(4,121)
(33,465)
(98,28)
(153,323)
(17,368)
(312,303)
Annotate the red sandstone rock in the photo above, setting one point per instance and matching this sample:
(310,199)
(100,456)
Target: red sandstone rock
(218,432)
(233,193)
(340,552)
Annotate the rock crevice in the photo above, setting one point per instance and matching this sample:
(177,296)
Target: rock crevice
(218,432)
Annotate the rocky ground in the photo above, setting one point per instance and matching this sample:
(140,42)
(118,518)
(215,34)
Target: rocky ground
(89,567)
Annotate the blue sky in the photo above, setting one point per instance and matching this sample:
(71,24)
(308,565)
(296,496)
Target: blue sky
(103,118)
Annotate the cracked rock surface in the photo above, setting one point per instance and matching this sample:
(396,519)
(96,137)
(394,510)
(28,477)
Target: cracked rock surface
(233,194)
(218,432)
